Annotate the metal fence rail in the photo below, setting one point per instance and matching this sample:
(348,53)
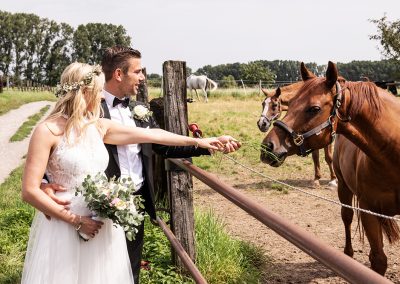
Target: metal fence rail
(186,260)
(343,265)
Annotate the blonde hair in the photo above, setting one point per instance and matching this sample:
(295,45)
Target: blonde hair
(73,104)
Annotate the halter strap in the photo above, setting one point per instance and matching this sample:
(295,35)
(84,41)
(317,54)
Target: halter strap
(298,138)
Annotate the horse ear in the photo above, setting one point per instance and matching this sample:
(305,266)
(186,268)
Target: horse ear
(278,92)
(266,93)
(331,75)
(305,73)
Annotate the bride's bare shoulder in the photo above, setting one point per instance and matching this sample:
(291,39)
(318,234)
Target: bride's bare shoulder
(52,127)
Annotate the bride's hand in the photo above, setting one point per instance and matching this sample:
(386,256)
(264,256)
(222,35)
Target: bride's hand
(89,226)
(210,143)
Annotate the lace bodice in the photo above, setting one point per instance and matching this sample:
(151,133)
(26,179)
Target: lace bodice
(73,159)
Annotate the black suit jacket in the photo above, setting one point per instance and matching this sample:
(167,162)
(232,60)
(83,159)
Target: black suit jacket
(146,153)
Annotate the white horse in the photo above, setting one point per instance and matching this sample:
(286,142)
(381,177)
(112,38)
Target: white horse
(194,82)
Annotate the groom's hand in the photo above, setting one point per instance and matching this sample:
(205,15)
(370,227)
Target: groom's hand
(50,189)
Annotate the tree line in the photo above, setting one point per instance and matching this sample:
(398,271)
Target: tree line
(38,49)
(289,71)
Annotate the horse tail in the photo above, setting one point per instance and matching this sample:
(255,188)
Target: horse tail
(389,227)
(215,85)
(391,230)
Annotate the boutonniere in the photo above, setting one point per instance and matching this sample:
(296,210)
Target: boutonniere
(142,113)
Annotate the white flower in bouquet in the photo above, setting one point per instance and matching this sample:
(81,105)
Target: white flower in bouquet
(114,199)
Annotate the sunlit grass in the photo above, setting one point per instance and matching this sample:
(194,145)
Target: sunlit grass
(236,117)
(14,99)
(15,219)
(223,259)
(26,128)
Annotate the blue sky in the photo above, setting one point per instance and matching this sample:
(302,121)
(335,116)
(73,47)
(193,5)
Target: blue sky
(227,31)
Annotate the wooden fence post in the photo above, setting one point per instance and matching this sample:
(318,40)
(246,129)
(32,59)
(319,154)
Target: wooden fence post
(244,88)
(142,94)
(1,84)
(179,181)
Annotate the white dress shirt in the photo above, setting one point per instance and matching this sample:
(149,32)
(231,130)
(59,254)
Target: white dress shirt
(130,162)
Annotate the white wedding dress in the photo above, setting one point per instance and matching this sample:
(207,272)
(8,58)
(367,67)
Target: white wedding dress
(55,253)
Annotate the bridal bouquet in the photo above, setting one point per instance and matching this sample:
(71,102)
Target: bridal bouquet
(113,199)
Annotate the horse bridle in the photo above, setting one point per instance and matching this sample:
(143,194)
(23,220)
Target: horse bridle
(272,118)
(298,138)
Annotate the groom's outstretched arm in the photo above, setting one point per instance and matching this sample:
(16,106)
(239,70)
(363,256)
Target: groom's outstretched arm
(230,145)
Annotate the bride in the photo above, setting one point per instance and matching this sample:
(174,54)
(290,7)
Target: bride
(68,146)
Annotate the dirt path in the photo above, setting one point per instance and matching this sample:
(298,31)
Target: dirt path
(288,263)
(11,153)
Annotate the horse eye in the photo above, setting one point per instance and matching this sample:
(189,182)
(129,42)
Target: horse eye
(314,109)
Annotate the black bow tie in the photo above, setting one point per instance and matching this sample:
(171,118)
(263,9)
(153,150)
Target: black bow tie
(124,102)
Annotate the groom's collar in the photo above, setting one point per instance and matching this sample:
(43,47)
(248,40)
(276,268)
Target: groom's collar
(109,98)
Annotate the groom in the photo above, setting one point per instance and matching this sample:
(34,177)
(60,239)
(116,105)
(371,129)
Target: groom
(123,73)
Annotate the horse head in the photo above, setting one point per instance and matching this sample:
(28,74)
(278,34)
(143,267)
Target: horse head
(309,123)
(271,109)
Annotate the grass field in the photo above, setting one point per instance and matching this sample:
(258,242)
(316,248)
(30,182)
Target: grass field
(236,113)
(14,99)
(26,128)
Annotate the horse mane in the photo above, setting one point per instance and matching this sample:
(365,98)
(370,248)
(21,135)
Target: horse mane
(361,92)
(288,91)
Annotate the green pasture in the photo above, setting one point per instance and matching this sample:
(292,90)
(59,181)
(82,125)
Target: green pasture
(15,219)
(10,99)
(26,128)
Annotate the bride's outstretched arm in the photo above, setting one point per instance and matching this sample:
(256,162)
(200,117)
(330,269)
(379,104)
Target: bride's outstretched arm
(41,142)
(118,134)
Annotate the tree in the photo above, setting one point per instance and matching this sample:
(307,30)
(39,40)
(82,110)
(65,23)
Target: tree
(254,71)
(91,39)
(6,46)
(228,82)
(60,53)
(154,80)
(20,34)
(36,49)
(388,36)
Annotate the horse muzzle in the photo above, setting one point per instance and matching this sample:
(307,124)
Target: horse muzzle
(263,124)
(270,157)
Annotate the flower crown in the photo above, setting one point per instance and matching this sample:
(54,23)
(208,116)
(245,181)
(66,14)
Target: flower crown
(63,89)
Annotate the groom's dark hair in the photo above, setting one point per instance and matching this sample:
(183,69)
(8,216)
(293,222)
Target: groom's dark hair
(117,57)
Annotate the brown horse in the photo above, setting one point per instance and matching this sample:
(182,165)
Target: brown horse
(366,156)
(277,102)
